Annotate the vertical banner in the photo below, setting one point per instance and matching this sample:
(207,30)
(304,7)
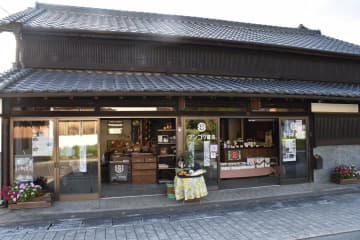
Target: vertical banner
(82,167)
(206,153)
(191,149)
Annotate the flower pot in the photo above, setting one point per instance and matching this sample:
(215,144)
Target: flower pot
(43,201)
(344,181)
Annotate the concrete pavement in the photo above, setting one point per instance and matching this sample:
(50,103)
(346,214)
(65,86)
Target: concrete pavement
(131,205)
(320,217)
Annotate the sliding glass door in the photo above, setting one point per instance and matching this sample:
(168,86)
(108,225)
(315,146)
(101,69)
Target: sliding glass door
(78,159)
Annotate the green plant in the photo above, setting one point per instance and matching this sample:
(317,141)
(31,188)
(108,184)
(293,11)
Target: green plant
(188,158)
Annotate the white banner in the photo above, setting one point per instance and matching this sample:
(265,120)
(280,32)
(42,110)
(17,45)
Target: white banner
(206,153)
(82,167)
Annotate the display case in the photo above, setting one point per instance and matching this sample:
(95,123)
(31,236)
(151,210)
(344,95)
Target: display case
(248,162)
(249,148)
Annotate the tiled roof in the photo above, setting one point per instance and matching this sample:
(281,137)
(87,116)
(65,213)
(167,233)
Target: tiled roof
(62,82)
(57,17)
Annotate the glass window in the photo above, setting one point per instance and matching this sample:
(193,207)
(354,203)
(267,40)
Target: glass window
(33,145)
(200,145)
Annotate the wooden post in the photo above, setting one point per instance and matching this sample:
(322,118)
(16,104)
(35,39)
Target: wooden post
(5,143)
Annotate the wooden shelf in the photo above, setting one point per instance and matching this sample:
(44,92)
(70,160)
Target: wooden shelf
(166,155)
(166,130)
(165,181)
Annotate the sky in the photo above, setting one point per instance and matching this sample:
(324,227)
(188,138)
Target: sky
(336,18)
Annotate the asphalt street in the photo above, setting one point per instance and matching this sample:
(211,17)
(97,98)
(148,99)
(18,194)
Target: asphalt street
(315,218)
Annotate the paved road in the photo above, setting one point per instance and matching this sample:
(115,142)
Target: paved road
(318,218)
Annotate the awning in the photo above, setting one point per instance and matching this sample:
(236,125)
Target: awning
(43,82)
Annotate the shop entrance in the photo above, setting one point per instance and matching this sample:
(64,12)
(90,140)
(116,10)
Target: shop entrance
(249,152)
(294,150)
(137,155)
(77,165)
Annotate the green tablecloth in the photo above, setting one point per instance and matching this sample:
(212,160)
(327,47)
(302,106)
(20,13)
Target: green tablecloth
(190,188)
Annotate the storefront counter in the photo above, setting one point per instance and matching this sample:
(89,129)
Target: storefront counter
(190,187)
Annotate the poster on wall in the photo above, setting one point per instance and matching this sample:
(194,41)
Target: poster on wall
(24,169)
(206,153)
(289,150)
(42,143)
(82,167)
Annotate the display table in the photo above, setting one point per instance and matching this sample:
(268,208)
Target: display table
(187,188)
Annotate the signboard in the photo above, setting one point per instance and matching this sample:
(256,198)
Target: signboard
(119,172)
(24,169)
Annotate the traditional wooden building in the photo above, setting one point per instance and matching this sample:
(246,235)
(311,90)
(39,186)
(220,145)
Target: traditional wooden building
(101,96)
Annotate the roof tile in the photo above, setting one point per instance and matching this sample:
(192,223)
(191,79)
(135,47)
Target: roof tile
(64,81)
(57,17)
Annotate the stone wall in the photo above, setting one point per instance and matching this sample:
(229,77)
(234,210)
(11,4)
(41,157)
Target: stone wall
(335,155)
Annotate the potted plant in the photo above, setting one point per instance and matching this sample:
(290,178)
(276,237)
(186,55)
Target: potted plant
(344,174)
(25,195)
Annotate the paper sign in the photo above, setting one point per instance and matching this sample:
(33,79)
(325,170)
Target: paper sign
(214,148)
(24,169)
(289,150)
